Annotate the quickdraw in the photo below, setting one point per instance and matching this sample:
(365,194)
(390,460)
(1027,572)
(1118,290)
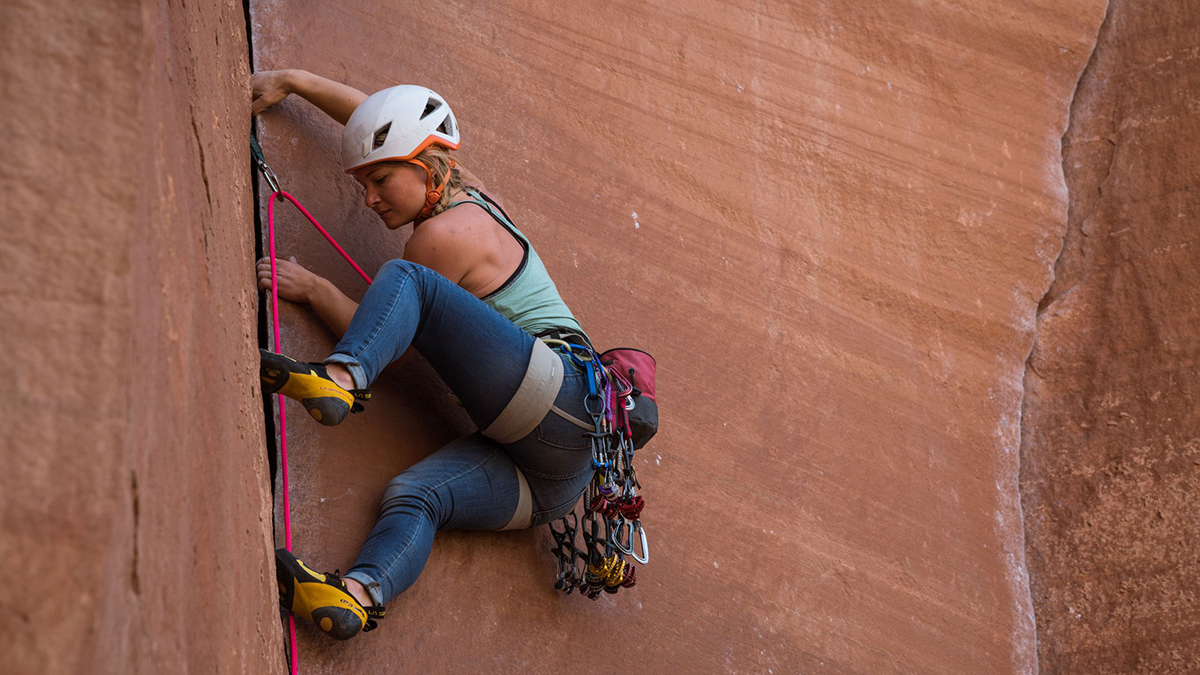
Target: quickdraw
(261,163)
(612,507)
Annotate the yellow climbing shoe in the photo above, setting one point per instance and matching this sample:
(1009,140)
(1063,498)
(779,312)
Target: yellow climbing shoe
(321,598)
(310,384)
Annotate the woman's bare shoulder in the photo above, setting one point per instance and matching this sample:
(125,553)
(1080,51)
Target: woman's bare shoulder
(459,227)
(449,243)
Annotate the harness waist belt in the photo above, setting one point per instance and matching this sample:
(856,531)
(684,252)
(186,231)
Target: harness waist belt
(564,334)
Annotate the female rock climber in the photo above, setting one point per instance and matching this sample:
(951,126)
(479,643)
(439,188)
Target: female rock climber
(472,296)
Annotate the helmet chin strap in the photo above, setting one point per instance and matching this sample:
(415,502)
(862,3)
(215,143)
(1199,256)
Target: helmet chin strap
(433,193)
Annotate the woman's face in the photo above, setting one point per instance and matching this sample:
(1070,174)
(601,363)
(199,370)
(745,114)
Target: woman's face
(393,190)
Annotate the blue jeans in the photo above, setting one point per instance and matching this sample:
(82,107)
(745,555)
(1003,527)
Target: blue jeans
(470,484)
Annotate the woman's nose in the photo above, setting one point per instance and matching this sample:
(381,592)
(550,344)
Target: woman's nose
(371,198)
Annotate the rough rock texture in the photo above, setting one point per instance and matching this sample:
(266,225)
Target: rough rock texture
(832,225)
(134,504)
(1111,449)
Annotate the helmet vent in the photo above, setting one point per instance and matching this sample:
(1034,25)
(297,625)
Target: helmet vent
(447,126)
(381,136)
(430,106)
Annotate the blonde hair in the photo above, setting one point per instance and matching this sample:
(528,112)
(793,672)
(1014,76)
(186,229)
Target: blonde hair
(438,160)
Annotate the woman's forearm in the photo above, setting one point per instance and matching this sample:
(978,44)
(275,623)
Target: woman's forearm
(334,98)
(333,306)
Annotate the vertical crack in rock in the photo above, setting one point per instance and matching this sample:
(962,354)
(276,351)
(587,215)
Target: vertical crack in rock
(204,176)
(203,168)
(1060,285)
(263,331)
(135,582)
(1062,282)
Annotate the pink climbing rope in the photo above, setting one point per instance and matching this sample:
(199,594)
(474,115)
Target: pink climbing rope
(287,509)
(270,209)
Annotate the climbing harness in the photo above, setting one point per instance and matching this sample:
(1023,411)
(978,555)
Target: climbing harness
(278,193)
(612,508)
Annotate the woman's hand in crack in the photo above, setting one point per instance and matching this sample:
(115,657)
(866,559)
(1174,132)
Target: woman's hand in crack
(296,284)
(268,88)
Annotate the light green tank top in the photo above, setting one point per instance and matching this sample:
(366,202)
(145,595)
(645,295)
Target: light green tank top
(529,297)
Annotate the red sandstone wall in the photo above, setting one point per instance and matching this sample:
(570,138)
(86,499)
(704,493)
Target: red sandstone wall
(831,224)
(870,202)
(1111,451)
(134,502)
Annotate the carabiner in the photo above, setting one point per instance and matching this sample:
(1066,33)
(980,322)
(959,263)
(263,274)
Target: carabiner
(629,486)
(627,549)
(272,179)
(645,557)
(591,532)
(261,162)
(587,405)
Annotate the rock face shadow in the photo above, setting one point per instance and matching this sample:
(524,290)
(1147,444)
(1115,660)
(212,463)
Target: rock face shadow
(1109,464)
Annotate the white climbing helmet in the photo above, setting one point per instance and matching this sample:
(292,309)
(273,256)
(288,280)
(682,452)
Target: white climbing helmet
(396,124)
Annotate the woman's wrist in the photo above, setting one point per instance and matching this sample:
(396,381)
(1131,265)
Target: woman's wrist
(295,81)
(317,290)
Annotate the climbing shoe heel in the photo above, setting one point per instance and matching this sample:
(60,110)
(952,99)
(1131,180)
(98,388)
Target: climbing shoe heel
(309,383)
(320,598)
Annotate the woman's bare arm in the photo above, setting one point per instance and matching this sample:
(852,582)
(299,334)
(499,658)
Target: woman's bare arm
(333,307)
(334,98)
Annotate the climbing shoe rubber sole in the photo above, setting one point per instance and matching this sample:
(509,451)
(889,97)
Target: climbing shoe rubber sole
(309,383)
(321,598)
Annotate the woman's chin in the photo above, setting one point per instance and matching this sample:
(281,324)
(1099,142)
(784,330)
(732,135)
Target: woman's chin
(391,221)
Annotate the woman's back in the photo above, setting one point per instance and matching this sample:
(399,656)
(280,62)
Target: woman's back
(509,275)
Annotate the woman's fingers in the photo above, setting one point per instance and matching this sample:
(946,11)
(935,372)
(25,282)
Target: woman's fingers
(266,100)
(266,259)
(266,89)
(294,280)
(266,262)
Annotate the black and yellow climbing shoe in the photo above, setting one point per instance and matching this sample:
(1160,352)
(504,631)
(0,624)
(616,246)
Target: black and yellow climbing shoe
(321,598)
(310,384)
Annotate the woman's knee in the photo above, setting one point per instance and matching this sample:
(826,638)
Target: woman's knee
(398,266)
(408,490)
